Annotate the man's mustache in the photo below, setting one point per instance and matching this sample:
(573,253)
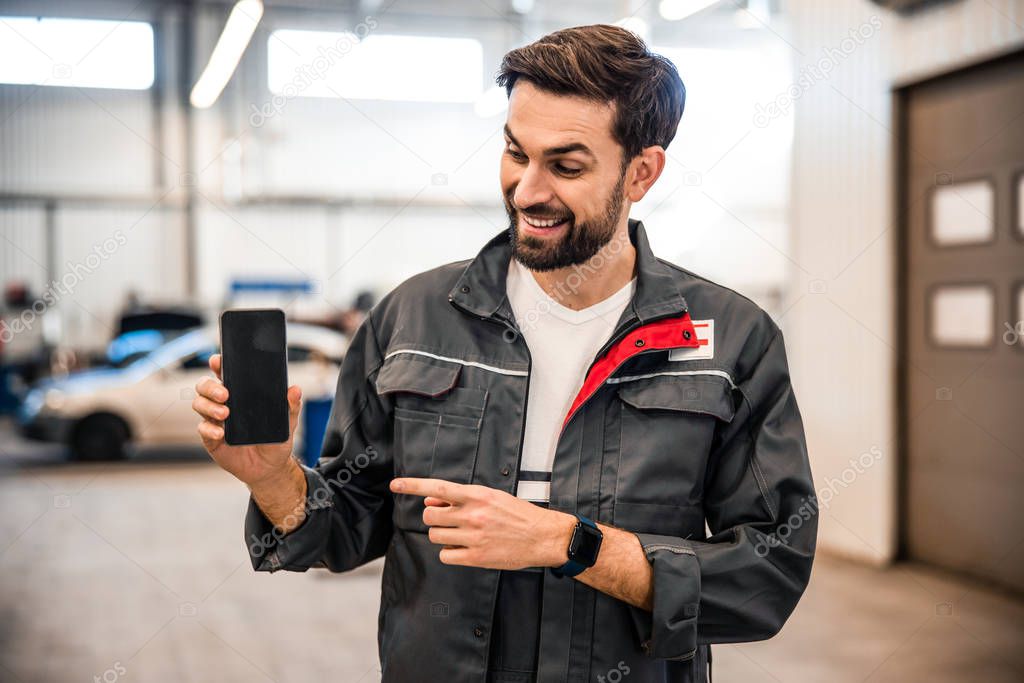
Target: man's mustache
(538,211)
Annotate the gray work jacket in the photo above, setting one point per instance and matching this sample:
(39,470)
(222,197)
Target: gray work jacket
(686,423)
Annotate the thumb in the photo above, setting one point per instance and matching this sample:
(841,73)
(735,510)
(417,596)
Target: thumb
(294,399)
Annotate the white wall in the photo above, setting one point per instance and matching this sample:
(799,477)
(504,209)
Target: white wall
(840,323)
(102,253)
(23,244)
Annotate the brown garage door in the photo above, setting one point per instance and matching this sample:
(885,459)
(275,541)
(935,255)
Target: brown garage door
(962,261)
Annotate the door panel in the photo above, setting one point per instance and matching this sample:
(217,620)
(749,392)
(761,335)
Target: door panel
(962,154)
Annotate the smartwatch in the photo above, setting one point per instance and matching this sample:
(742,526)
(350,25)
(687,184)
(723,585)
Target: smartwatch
(583,548)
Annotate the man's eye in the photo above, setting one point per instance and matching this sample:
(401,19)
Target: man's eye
(515,154)
(567,171)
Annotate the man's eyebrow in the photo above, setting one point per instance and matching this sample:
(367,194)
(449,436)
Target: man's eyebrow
(508,132)
(554,151)
(565,149)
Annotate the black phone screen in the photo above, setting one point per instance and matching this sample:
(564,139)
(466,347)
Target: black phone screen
(254,368)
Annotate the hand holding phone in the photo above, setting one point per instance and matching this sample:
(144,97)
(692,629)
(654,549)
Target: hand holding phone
(254,464)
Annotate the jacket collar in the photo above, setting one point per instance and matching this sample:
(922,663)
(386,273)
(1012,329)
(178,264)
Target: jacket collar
(481,288)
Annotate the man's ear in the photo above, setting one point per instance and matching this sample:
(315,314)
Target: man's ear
(645,169)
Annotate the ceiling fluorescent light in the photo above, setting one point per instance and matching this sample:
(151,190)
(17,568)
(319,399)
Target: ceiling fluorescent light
(674,10)
(241,24)
(522,6)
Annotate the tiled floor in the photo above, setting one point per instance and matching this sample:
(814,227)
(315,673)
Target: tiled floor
(137,572)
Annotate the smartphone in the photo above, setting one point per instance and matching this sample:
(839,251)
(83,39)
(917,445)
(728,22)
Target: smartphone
(254,368)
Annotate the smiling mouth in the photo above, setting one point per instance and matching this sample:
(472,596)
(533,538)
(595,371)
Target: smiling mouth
(543,223)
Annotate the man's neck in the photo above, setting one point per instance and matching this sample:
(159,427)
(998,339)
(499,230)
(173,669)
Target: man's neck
(581,286)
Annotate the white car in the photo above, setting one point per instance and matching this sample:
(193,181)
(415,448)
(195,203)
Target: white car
(99,412)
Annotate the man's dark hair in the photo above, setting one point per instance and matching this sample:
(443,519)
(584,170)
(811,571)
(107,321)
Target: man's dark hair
(605,63)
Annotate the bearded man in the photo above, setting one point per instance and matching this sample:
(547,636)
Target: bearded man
(580,462)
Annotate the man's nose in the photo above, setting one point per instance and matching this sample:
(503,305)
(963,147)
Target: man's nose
(533,188)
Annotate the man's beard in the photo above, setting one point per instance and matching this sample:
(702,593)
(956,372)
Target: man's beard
(580,242)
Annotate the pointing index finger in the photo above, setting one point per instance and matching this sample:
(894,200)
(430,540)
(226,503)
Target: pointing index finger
(437,488)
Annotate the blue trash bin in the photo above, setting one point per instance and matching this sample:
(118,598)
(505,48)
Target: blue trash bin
(9,400)
(314,427)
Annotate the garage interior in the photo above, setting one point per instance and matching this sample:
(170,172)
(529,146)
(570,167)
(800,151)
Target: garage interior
(854,167)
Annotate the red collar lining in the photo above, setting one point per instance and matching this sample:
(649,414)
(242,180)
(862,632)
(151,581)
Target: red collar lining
(670,333)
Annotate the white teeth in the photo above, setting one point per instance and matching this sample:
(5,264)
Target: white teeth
(541,224)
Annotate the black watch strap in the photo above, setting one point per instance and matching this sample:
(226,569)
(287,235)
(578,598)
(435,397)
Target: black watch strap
(583,548)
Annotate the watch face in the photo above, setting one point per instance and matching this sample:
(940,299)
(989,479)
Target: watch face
(584,545)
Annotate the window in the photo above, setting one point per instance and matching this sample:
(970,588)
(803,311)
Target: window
(962,315)
(962,213)
(378,67)
(86,53)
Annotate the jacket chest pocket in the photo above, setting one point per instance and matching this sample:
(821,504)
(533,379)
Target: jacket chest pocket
(667,425)
(436,424)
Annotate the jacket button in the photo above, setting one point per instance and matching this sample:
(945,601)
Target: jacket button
(478,632)
(505,471)
(686,334)
(639,342)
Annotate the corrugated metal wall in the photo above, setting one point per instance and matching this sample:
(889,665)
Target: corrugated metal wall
(53,138)
(88,203)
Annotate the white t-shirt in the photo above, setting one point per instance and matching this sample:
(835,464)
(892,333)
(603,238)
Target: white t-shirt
(562,344)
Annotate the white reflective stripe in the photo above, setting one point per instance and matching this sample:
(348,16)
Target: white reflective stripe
(538,491)
(482,366)
(632,378)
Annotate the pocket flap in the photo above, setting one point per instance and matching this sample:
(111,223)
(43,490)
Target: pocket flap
(707,394)
(417,374)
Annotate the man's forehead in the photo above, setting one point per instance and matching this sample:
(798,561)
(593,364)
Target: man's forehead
(538,117)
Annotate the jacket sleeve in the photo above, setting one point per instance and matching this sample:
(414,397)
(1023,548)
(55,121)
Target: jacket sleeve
(348,503)
(742,583)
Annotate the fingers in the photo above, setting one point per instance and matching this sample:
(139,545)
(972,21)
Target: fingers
(447,536)
(455,556)
(439,516)
(211,410)
(211,434)
(210,388)
(435,502)
(209,404)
